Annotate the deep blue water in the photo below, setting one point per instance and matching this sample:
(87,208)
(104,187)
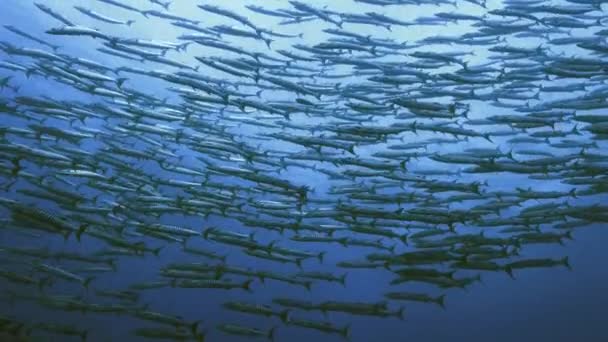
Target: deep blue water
(537,304)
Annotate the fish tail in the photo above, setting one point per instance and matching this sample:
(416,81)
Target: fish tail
(112,263)
(87,282)
(207,232)
(299,263)
(401,313)
(320,256)
(194,327)
(441,301)
(43,282)
(130,22)
(156,251)
(271,333)
(510,154)
(120,81)
(509,271)
(284,315)
(343,279)
(575,130)
(308,285)
(247,284)
(81,229)
(346,331)
(268,41)
(391,248)
(16,166)
(566,263)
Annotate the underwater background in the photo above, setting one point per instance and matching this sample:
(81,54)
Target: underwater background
(363,170)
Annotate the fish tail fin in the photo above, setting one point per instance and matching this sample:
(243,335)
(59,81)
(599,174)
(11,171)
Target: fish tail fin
(206,233)
(308,285)
(320,256)
(87,282)
(575,130)
(194,327)
(247,284)
(345,332)
(343,279)
(441,301)
(43,282)
(271,333)
(183,47)
(403,238)
(156,251)
(130,22)
(573,192)
(29,72)
(351,149)
(510,154)
(391,248)
(401,313)
(509,271)
(81,229)
(566,263)
(120,81)
(16,166)
(268,41)
(284,315)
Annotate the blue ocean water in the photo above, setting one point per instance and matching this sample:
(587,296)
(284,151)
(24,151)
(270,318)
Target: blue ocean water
(541,303)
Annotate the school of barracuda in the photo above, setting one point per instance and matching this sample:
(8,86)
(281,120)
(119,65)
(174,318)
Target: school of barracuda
(292,164)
